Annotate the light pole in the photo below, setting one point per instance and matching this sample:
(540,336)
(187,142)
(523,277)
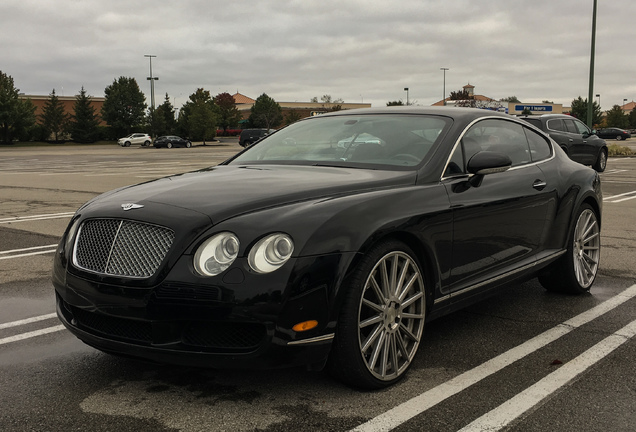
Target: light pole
(591,89)
(406,89)
(444,91)
(599,100)
(152,83)
(624,103)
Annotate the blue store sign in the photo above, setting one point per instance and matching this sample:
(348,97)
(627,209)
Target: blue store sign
(534,108)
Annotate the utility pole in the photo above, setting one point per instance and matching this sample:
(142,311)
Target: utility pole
(444,91)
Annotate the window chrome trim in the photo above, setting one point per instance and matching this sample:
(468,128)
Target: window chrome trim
(471,124)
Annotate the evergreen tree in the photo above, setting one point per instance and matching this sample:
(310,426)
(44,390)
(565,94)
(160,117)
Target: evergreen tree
(16,115)
(124,106)
(227,113)
(54,118)
(265,113)
(165,118)
(579,110)
(84,124)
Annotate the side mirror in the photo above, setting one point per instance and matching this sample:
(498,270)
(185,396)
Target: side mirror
(486,162)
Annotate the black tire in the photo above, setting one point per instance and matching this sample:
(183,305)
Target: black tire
(575,271)
(169,145)
(601,161)
(618,137)
(127,144)
(188,144)
(379,331)
(146,144)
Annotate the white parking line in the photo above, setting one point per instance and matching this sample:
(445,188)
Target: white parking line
(28,252)
(505,413)
(28,335)
(417,405)
(27,321)
(613,199)
(14,219)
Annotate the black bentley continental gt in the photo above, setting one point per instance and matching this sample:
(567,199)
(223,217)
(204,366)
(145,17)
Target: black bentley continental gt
(331,242)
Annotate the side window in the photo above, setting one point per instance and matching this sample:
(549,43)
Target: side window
(582,128)
(571,126)
(556,124)
(540,148)
(501,136)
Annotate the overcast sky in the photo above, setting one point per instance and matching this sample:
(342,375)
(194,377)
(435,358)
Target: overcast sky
(293,50)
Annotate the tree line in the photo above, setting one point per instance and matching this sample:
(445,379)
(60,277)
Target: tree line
(125,111)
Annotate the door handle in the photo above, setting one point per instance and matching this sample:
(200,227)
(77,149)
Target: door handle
(539,185)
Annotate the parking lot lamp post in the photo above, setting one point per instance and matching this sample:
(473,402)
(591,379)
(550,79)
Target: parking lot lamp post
(406,89)
(152,83)
(444,88)
(590,105)
(624,103)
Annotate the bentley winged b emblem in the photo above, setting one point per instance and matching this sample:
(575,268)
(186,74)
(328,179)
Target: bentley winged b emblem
(131,206)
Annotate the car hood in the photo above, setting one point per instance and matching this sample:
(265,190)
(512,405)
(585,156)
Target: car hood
(225,191)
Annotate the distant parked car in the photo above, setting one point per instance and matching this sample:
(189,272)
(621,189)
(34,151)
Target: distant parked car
(170,141)
(135,138)
(579,142)
(250,136)
(614,133)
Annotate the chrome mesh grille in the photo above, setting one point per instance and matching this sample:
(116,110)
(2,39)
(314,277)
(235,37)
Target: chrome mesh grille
(121,247)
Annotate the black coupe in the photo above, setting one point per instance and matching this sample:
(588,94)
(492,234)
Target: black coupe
(331,242)
(170,141)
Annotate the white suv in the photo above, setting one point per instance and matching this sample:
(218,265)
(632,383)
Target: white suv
(135,138)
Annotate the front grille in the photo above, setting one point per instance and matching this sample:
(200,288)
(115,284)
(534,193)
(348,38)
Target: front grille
(121,247)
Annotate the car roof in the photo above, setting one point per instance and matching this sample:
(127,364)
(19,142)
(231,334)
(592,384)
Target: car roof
(454,112)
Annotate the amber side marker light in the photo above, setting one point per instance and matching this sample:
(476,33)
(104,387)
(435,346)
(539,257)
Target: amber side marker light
(305,325)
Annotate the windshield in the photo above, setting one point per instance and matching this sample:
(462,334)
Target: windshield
(381,141)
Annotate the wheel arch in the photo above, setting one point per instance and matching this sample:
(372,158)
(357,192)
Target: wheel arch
(423,254)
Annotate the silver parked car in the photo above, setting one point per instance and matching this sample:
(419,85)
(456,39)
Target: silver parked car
(135,138)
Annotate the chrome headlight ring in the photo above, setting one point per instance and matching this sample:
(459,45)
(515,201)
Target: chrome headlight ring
(271,252)
(216,254)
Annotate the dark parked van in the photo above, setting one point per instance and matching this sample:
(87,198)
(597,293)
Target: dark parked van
(574,137)
(250,136)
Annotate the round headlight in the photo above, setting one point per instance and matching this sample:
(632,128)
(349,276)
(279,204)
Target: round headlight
(271,252)
(216,254)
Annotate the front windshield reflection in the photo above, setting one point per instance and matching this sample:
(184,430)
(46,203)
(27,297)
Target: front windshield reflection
(389,141)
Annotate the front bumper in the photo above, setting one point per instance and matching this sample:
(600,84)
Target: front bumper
(230,325)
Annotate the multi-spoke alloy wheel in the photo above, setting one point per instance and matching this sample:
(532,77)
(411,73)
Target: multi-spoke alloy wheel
(391,316)
(575,271)
(382,318)
(586,248)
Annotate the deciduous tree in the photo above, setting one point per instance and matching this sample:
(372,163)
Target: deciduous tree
(197,119)
(616,118)
(124,105)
